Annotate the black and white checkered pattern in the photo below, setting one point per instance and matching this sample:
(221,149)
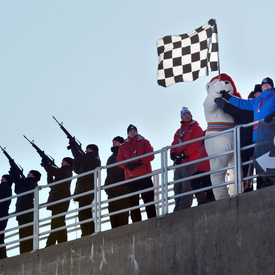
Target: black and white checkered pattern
(188,56)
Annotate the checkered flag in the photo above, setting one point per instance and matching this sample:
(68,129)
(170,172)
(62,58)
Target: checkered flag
(188,56)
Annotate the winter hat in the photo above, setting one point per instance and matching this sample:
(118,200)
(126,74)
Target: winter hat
(257,88)
(36,175)
(269,81)
(7,177)
(69,160)
(131,127)
(225,77)
(92,147)
(119,139)
(183,111)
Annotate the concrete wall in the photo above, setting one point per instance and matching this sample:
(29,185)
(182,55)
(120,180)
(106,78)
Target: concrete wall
(231,236)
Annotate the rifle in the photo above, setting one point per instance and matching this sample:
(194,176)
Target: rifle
(18,168)
(70,137)
(40,152)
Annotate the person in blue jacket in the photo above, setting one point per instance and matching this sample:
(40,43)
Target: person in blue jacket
(263,107)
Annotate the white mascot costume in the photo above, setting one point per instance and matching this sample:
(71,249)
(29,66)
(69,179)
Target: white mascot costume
(218,121)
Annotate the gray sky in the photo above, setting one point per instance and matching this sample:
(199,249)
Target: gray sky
(93,65)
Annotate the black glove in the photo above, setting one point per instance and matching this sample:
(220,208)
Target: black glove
(133,165)
(182,155)
(225,94)
(173,156)
(220,101)
(44,163)
(178,160)
(269,117)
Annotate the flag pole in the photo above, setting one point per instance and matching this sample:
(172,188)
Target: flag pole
(219,72)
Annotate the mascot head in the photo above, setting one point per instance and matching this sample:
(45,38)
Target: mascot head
(226,83)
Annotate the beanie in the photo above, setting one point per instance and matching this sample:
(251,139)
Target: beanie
(225,77)
(131,127)
(69,160)
(183,111)
(36,175)
(93,147)
(119,139)
(257,88)
(269,81)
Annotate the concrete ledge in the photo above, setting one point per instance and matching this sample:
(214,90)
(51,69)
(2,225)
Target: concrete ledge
(231,236)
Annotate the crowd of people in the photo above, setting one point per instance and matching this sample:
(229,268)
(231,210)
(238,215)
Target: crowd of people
(259,105)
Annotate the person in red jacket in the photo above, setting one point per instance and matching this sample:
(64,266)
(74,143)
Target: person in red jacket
(190,129)
(136,145)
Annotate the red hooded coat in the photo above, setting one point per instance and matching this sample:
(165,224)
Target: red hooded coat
(188,131)
(133,147)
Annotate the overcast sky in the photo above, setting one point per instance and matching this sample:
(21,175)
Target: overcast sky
(93,65)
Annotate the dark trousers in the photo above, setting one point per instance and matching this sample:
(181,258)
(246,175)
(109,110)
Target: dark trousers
(87,228)
(59,236)
(3,252)
(201,182)
(146,196)
(122,218)
(27,245)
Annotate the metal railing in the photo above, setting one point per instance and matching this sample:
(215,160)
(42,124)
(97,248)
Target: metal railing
(163,190)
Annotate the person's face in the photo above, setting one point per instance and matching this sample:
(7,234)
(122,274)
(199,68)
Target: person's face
(64,163)
(88,150)
(3,179)
(132,133)
(116,143)
(266,86)
(186,117)
(30,175)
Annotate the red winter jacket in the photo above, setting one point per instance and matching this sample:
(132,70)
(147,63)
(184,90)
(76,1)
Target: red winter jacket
(133,147)
(188,131)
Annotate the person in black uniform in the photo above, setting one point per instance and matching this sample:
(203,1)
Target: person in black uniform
(5,192)
(25,203)
(58,192)
(84,162)
(116,174)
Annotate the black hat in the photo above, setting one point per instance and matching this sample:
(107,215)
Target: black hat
(119,139)
(7,177)
(69,160)
(92,147)
(131,127)
(269,81)
(36,175)
(258,88)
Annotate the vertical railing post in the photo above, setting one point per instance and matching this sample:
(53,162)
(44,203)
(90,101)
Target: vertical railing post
(97,195)
(237,160)
(164,176)
(36,220)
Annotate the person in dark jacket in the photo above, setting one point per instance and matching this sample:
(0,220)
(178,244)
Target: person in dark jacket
(25,203)
(58,192)
(84,162)
(5,192)
(116,174)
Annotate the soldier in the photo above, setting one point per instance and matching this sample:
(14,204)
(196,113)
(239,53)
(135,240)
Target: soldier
(58,192)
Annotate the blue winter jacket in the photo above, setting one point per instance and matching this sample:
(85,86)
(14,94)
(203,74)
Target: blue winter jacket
(261,106)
